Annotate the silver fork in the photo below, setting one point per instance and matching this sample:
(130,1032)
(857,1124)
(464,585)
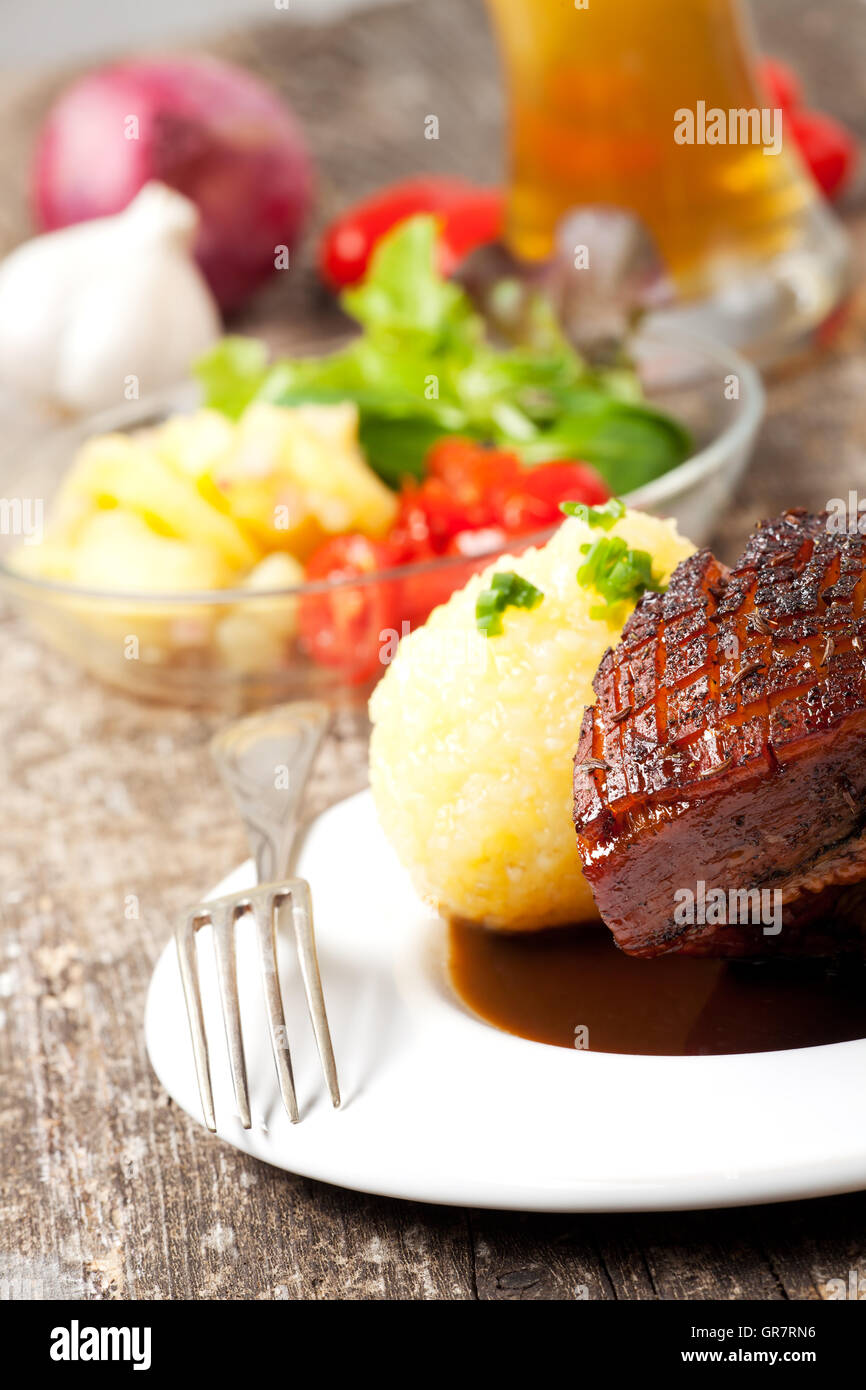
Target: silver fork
(264,761)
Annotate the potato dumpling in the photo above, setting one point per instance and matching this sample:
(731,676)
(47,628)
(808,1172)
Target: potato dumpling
(474,737)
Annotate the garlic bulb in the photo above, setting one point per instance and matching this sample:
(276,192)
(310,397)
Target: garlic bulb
(106,310)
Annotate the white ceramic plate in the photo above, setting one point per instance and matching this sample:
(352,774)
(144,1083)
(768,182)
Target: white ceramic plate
(441,1107)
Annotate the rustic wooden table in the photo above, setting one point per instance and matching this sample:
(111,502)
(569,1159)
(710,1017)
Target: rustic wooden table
(108,1191)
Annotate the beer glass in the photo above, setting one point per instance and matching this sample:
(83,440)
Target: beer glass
(655,107)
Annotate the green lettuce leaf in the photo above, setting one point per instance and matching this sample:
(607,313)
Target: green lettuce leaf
(421,367)
(232,374)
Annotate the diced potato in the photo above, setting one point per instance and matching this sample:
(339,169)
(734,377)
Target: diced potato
(195,444)
(119,551)
(53,559)
(298,475)
(293,529)
(278,571)
(118,470)
(255,636)
(197,504)
(248,646)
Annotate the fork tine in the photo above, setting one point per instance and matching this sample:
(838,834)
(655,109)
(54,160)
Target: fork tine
(266,931)
(223,918)
(302,918)
(186,954)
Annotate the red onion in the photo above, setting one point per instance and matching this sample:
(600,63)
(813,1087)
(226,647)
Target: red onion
(204,127)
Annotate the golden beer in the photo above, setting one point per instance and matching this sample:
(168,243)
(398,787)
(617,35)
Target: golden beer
(593,96)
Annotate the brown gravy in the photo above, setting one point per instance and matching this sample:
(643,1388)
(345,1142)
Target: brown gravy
(546,985)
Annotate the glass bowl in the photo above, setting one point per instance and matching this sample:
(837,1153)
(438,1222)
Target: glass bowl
(235,649)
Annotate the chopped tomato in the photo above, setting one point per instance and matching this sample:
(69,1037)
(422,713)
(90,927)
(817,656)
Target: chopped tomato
(470,489)
(469,216)
(473,500)
(447,512)
(534,503)
(458,495)
(469,467)
(827,147)
(410,533)
(344,627)
(472,477)
(421,593)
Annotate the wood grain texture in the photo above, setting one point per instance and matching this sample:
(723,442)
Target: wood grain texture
(113,820)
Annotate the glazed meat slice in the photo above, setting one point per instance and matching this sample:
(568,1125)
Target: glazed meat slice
(720,776)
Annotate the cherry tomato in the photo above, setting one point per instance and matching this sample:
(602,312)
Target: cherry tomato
(344,627)
(827,147)
(458,495)
(782,84)
(475,221)
(535,501)
(470,216)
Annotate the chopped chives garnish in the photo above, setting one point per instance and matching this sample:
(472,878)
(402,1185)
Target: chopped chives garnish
(507,590)
(596,516)
(618,574)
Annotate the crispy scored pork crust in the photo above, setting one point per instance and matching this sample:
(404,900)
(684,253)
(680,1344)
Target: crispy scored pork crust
(727,750)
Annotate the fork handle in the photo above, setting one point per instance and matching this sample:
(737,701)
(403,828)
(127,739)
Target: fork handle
(264,761)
